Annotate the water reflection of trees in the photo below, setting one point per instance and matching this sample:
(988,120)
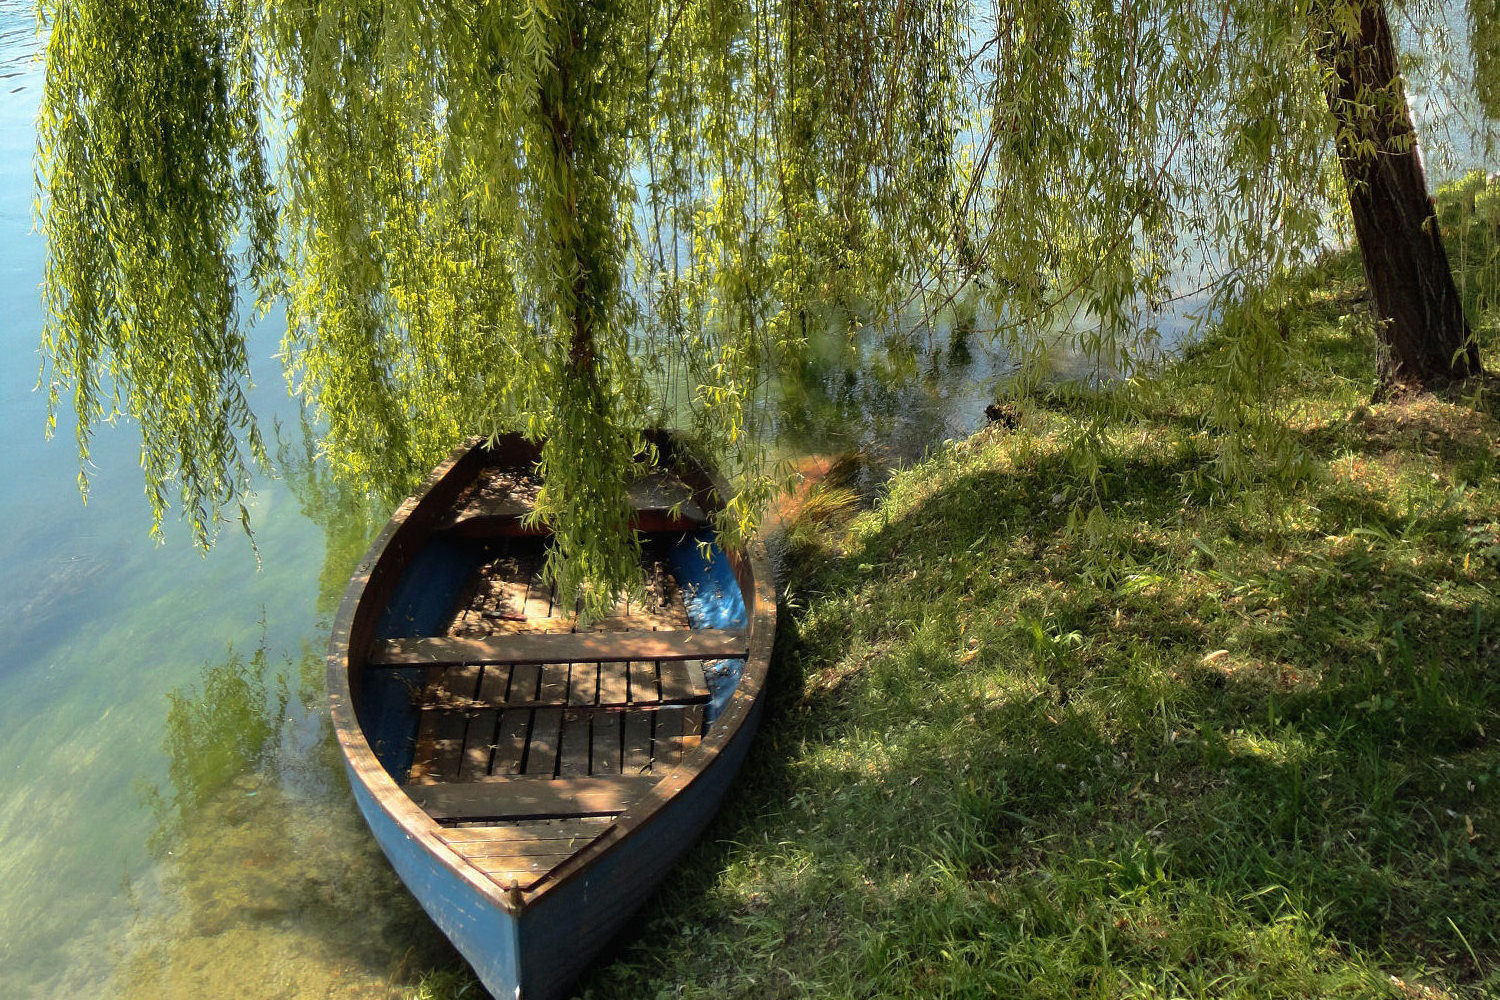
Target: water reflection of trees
(898,393)
(349,516)
(275,887)
(216,734)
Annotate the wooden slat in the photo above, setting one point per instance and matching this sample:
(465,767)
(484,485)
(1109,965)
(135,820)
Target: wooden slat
(675,617)
(523,869)
(614,684)
(546,702)
(607,736)
(520,847)
(636,621)
(644,689)
(505,506)
(493,628)
(421,769)
(511,596)
(494,684)
(692,726)
(510,741)
(677,731)
(682,681)
(457,682)
(526,798)
(531,861)
(670,644)
(525,678)
(554,686)
(538,594)
(640,620)
(541,752)
(666,747)
(573,753)
(583,684)
(479,745)
(524,872)
(447,744)
(481,524)
(637,742)
(527,830)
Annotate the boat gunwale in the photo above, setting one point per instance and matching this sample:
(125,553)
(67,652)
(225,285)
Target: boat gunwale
(382,565)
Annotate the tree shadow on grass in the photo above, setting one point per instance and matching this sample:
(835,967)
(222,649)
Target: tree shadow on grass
(1195,752)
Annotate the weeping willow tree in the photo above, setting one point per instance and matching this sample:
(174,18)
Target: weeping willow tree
(582,218)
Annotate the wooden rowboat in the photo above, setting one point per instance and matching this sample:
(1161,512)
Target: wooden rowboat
(529,779)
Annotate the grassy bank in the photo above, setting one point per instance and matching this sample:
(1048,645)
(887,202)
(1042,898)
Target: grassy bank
(1214,745)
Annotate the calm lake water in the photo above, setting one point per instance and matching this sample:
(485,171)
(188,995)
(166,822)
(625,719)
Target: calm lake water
(138,862)
(173,816)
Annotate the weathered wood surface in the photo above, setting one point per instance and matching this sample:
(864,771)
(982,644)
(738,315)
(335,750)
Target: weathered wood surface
(525,680)
(605,750)
(674,726)
(659,502)
(578,828)
(509,594)
(510,743)
(583,684)
(573,751)
(682,680)
(522,872)
(637,748)
(554,689)
(521,853)
(527,798)
(556,740)
(614,683)
(448,744)
(479,745)
(566,647)
(541,753)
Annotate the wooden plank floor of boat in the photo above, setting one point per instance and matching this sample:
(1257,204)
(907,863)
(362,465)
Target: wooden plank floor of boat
(555,720)
(524,763)
(521,748)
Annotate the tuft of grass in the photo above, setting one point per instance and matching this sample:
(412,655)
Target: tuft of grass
(1182,743)
(445,984)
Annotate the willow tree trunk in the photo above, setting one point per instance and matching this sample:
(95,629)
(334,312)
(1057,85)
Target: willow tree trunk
(1425,339)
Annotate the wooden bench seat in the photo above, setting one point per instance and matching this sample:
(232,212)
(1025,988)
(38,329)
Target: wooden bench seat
(562,647)
(659,502)
(511,798)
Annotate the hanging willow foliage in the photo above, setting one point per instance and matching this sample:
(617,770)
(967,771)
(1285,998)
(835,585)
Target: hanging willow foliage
(582,218)
(151,153)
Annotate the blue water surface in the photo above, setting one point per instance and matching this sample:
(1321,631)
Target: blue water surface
(131,867)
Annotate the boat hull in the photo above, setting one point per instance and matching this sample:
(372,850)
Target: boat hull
(484,934)
(566,929)
(529,938)
(541,953)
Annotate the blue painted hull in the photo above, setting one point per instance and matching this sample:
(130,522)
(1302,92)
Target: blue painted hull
(566,929)
(483,933)
(540,954)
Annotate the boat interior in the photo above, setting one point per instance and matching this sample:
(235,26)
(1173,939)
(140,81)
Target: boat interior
(521,728)
(558,718)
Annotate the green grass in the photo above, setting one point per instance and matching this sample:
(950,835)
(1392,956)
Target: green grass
(1200,743)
